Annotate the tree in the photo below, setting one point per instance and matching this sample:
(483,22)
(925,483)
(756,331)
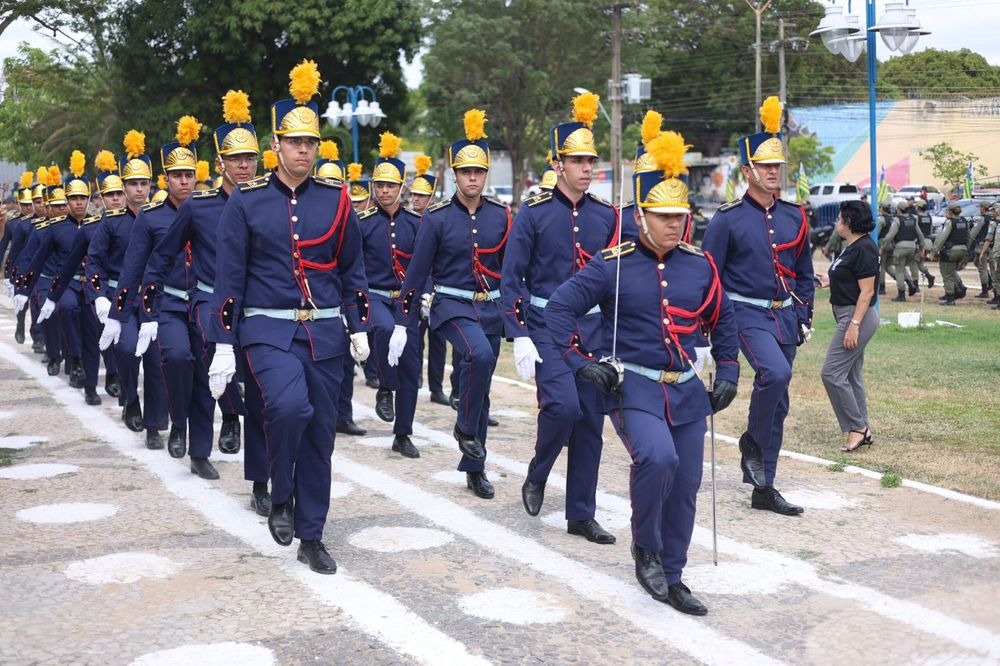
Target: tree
(815,158)
(933,73)
(950,165)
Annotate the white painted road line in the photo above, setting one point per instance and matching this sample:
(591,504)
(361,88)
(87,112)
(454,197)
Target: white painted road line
(372,611)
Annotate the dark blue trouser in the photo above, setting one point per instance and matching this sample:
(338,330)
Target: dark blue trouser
(300,417)
(154,391)
(68,315)
(403,378)
(772,363)
(90,334)
(437,345)
(188,397)
(345,410)
(569,414)
(477,359)
(663,483)
(254,447)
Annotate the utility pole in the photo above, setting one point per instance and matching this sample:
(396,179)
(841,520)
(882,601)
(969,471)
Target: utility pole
(616,95)
(758,7)
(783,96)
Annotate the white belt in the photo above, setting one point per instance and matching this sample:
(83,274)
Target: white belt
(662,376)
(468,294)
(176,293)
(760,302)
(293,314)
(539,302)
(205,287)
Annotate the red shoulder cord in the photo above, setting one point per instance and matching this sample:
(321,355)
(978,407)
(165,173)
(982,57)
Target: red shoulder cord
(714,299)
(798,243)
(582,256)
(337,224)
(397,266)
(477,266)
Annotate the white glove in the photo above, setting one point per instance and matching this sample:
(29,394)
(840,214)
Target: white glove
(222,370)
(703,359)
(396,344)
(102,306)
(525,357)
(112,331)
(48,307)
(20,301)
(8,288)
(359,347)
(425,305)
(147,333)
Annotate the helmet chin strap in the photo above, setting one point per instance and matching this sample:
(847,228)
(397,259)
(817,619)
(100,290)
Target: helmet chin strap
(645,230)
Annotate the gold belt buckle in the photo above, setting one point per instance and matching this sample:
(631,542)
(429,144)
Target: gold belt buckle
(480,296)
(305,315)
(394,293)
(669,377)
(776,304)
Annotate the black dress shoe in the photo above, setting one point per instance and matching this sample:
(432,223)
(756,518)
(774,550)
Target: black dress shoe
(132,416)
(439,398)
(680,597)
(315,554)
(532,495)
(112,385)
(260,502)
(38,347)
(349,427)
(90,396)
(153,440)
(591,530)
(281,522)
(177,441)
(203,468)
(479,484)
(54,366)
(383,405)
(76,373)
(492,422)
(751,461)
(649,573)
(402,445)
(19,332)
(769,499)
(371,383)
(229,436)
(453,401)
(469,445)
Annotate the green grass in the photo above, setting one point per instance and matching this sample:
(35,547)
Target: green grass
(891,480)
(7,457)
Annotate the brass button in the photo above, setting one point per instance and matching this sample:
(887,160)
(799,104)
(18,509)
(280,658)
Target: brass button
(576,228)
(774,245)
(472,217)
(392,235)
(770,231)
(660,266)
(578,245)
(295,236)
(665,301)
(666,321)
(296,271)
(393,246)
(475,231)
(295,254)
(475,245)
(295,218)
(770,216)
(663,283)
(575,213)
(294,201)
(392,224)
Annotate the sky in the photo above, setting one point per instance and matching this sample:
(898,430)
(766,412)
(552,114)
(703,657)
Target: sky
(954,24)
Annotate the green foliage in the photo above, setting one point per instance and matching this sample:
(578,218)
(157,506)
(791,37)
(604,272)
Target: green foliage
(891,480)
(805,149)
(951,165)
(933,73)
(836,466)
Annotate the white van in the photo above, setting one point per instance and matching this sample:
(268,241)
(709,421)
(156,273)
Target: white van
(824,193)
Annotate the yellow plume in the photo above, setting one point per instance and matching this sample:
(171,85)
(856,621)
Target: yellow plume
(42,176)
(188,129)
(105,161)
(161,182)
(304,81)
(55,176)
(389,145)
(668,150)
(651,123)
(328,150)
(770,114)
(270,160)
(201,170)
(475,124)
(353,171)
(77,163)
(135,143)
(27,178)
(236,107)
(422,164)
(585,108)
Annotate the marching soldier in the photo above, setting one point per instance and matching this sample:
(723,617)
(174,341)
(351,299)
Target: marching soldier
(460,248)
(13,239)
(978,236)
(280,293)
(904,236)
(917,266)
(643,162)
(554,236)
(760,245)
(885,247)
(950,245)
(105,259)
(658,411)
(992,249)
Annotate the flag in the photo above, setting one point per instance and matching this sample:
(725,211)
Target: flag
(802,185)
(883,187)
(730,187)
(968,181)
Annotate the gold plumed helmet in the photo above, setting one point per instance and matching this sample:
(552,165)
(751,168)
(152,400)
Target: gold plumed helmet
(663,190)
(298,116)
(577,138)
(472,151)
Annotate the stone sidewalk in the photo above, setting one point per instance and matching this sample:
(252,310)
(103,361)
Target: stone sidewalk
(116,554)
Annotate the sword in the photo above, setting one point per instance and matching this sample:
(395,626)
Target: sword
(711,429)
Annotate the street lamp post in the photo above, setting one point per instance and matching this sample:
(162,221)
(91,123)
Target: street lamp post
(357,110)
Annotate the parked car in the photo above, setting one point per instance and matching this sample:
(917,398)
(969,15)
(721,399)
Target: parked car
(824,193)
(934,196)
(970,210)
(504,193)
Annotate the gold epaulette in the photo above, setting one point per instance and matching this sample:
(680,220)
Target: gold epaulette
(116,212)
(687,247)
(599,199)
(152,205)
(37,221)
(92,219)
(53,220)
(367,212)
(256,183)
(205,194)
(539,198)
(328,182)
(731,204)
(439,205)
(618,250)
(411,211)
(630,202)
(495,202)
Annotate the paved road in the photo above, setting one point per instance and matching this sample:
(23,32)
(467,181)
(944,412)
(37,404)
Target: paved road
(114,554)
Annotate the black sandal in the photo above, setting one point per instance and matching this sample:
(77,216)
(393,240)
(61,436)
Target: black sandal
(866,440)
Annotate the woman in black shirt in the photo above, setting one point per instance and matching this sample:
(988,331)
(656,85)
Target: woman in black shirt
(852,295)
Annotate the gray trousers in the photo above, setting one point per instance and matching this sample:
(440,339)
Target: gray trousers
(842,369)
